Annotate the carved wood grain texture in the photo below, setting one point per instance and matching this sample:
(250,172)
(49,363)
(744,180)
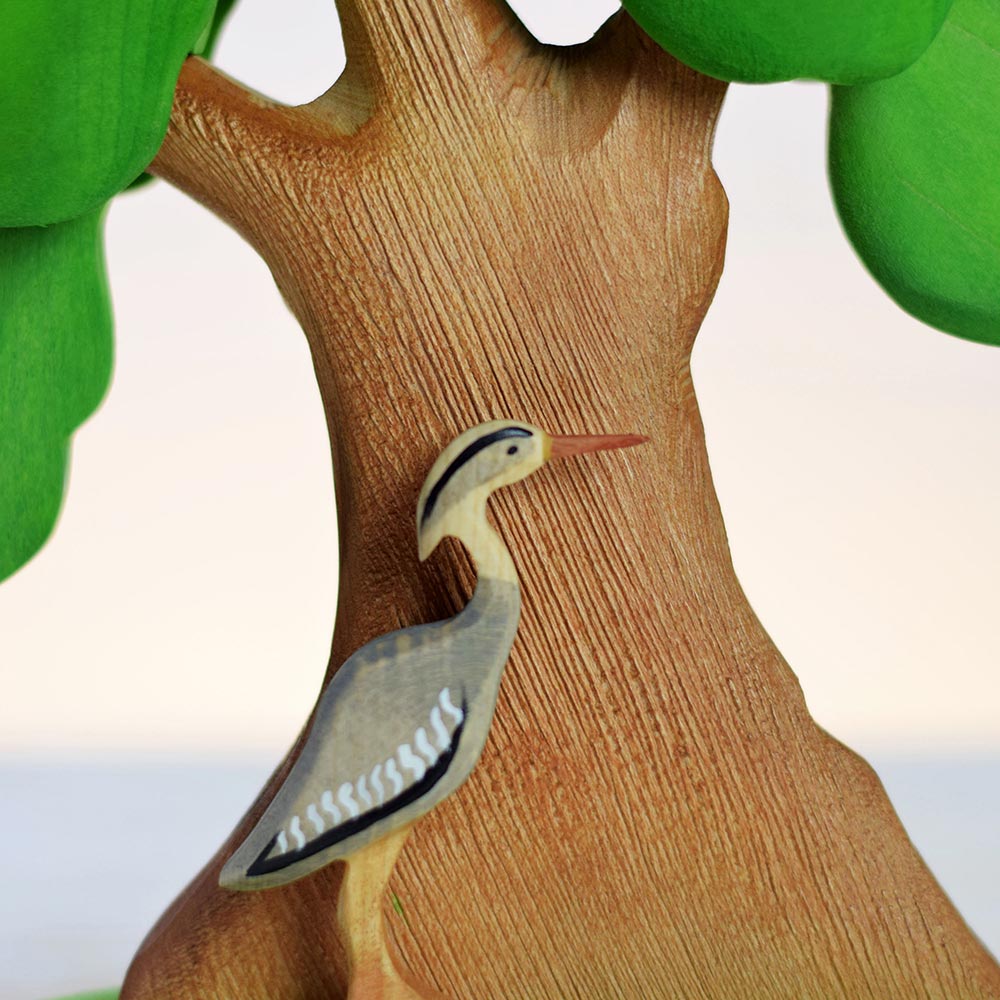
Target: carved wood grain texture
(471,226)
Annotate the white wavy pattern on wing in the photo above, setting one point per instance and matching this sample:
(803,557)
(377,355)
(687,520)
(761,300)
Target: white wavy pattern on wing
(403,769)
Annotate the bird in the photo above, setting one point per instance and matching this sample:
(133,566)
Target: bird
(403,722)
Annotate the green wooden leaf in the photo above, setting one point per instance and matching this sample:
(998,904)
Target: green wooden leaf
(85,95)
(915,169)
(203,47)
(760,41)
(55,364)
(95,995)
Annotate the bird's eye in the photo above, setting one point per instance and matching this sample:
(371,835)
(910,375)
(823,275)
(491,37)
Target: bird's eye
(512,450)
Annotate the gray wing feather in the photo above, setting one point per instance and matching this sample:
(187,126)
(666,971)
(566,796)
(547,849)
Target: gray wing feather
(398,728)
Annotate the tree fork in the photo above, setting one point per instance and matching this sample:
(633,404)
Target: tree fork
(470,226)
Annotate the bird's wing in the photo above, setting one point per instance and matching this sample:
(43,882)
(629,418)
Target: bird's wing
(384,734)
(339,803)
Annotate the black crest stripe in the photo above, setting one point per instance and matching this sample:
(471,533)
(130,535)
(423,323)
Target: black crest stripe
(469,452)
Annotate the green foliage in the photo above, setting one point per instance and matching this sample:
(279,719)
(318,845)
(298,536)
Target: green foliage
(55,364)
(98,995)
(85,95)
(761,41)
(397,905)
(915,169)
(203,47)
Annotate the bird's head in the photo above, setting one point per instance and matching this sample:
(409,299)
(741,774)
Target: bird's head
(482,460)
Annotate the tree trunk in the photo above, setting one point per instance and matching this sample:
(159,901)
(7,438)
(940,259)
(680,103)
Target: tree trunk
(472,226)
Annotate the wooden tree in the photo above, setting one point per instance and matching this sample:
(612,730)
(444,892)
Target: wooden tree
(468,226)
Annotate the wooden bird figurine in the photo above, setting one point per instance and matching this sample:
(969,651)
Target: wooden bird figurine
(403,722)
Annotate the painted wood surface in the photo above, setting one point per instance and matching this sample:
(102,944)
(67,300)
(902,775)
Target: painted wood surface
(469,225)
(403,722)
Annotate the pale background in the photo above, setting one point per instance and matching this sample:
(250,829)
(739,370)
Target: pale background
(159,655)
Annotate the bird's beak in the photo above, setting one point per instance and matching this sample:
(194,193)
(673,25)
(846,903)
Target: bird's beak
(565,445)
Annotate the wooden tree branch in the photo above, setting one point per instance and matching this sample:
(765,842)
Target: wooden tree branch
(476,227)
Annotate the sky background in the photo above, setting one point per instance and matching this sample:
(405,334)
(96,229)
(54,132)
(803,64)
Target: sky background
(160,654)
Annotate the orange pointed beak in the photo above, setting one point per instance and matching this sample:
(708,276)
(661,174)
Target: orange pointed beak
(565,445)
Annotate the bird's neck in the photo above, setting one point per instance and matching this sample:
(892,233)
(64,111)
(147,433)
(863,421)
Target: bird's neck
(491,557)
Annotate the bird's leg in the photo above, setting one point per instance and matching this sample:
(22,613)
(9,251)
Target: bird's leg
(374,974)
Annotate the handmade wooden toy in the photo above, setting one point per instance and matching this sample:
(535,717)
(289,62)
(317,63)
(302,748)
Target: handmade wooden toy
(468,221)
(403,722)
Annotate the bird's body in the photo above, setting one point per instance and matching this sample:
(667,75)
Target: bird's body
(403,722)
(398,729)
